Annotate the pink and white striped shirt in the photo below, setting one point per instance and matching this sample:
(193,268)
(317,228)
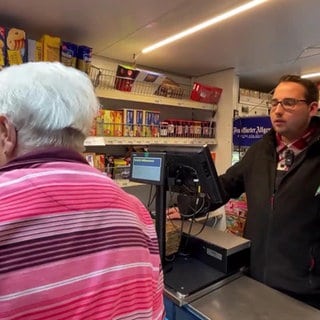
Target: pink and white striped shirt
(73,245)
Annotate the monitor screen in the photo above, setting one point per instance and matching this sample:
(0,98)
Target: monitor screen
(190,169)
(148,167)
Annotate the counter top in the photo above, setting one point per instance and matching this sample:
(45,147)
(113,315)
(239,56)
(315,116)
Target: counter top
(247,299)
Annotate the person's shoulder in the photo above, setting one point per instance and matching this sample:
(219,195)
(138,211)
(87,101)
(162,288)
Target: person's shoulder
(267,141)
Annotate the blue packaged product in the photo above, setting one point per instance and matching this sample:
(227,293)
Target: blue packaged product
(68,54)
(84,57)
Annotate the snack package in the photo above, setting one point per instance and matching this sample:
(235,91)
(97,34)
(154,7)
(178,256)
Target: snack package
(108,123)
(204,93)
(236,215)
(68,54)
(117,116)
(128,122)
(138,123)
(2,47)
(125,78)
(170,89)
(34,50)
(16,46)
(84,57)
(50,48)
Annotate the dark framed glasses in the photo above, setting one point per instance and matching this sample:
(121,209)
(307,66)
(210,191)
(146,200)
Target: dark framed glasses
(286,103)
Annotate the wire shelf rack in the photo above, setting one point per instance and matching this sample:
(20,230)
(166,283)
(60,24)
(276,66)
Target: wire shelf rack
(108,79)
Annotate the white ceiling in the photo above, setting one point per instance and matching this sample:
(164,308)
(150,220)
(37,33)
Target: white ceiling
(260,44)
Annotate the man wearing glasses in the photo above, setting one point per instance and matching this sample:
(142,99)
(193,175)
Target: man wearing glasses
(280,175)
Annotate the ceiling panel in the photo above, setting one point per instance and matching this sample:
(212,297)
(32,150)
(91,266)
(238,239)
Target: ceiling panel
(260,44)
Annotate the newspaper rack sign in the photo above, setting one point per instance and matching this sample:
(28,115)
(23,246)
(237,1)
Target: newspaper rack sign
(248,130)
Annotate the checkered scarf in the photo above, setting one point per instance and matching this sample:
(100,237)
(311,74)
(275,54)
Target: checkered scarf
(296,147)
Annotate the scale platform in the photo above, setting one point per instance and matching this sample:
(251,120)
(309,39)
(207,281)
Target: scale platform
(187,279)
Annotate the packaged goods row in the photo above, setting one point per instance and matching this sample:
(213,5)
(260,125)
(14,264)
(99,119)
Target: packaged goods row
(115,167)
(147,123)
(17,48)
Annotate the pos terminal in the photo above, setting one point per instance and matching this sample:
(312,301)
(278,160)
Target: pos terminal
(208,257)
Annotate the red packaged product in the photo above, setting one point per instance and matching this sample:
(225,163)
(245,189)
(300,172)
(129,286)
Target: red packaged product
(204,93)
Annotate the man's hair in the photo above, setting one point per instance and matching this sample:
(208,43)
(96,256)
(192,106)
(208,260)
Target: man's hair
(312,92)
(48,103)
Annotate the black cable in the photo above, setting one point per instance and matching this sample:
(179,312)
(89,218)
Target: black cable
(150,197)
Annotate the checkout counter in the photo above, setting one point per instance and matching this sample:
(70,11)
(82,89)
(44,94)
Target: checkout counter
(210,284)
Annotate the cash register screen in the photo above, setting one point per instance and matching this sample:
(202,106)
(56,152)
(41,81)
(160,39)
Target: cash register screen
(187,164)
(147,167)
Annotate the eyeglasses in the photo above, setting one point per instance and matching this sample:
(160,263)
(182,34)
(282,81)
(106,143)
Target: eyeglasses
(286,103)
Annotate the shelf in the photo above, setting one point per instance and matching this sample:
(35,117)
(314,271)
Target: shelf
(105,81)
(253,102)
(124,183)
(103,141)
(110,93)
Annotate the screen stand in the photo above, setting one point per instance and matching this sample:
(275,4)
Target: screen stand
(177,274)
(161,220)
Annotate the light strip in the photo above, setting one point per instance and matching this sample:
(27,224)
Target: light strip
(311,75)
(204,24)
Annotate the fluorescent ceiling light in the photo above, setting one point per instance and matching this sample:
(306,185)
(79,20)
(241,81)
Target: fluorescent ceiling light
(311,75)
(205,24)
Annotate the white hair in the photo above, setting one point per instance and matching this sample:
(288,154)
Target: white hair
(48,103)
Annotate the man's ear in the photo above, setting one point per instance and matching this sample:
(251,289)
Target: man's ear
(8,137)
(314,108)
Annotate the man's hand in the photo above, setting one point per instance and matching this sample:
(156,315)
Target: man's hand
(173,213)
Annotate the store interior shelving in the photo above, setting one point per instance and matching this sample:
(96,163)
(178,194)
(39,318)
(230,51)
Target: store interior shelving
(173,102)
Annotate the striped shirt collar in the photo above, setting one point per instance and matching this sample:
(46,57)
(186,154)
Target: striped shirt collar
(43,155)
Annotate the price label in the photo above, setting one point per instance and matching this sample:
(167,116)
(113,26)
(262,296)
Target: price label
(94,141)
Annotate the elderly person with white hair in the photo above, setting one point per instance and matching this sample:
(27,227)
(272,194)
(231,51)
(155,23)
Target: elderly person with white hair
(73,245)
